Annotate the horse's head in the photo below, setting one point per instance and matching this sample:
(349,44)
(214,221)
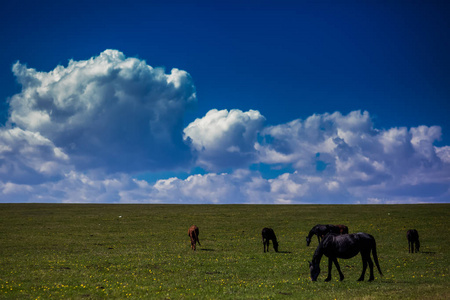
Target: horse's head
(314,269)
(308,241)
(275,246)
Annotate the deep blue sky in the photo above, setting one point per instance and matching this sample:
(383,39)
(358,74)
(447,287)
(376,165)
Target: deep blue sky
(287,59)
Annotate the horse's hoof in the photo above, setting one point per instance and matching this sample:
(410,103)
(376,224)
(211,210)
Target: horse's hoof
(328,279)
(361,279)
(342,278)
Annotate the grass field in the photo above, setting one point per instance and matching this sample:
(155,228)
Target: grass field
(143,251)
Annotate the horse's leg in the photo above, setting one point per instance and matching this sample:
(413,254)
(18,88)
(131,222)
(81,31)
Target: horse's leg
(341,276)
(364,260)
(409,246)
(318,238)
(330,264)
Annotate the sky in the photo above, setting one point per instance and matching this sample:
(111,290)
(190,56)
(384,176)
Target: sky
(259,102)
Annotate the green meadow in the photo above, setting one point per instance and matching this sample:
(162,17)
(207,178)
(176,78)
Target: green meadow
(69,251)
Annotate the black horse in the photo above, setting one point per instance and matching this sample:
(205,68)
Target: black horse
(413,240)
(322,230)
(267,235)
(345,246)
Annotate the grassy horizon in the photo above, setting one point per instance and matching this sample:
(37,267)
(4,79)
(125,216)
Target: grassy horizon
(92,251)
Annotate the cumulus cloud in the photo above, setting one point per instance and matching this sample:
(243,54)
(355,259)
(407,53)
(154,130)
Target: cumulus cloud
(108,112)
(396,163)
(225,139)
(335,158)
(29,158)
(80,133)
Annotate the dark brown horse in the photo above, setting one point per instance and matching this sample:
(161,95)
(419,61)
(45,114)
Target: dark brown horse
(342,229)
(345,246)
(267,235)
(193,234)
(413,240)
(322,230)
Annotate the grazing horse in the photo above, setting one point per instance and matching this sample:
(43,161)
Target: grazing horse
(413,240)
(193,234)
(267,235)
(322,230)
(345,246)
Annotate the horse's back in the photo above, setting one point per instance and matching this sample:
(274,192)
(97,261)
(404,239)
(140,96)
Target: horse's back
(193,229)
(321,229)
(363,237)
(267,233)
(348,245)
(412,234)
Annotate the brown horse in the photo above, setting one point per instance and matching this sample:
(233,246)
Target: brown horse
(342,229)
(413,240)
(193,234)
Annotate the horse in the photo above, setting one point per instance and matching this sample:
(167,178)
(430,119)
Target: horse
(345,246)
(322,230)
(193,234)
(267,235)
(413,240)
(342,229)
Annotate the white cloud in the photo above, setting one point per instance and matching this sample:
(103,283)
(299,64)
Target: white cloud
(443,153)
(108,112)
(225,139)
(79,134)
(27,157)
(397,163)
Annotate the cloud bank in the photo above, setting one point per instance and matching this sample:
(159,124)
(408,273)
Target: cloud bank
(83,133)
(348,155)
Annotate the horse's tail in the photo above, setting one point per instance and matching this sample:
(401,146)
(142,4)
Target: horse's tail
(375,256)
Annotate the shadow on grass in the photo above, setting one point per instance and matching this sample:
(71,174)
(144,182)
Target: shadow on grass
(206,249)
